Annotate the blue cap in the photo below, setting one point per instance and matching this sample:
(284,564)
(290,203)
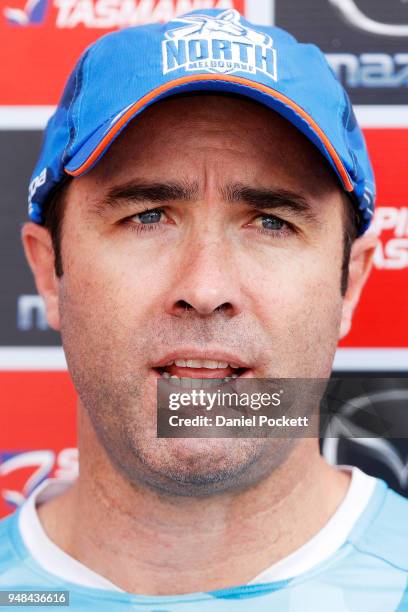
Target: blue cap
(126,71)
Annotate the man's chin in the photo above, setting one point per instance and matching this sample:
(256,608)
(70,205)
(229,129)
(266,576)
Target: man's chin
(202,467)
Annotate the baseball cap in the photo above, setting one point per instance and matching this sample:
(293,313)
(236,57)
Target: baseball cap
(213,50)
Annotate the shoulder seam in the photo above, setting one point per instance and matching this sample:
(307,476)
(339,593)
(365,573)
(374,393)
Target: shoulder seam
(379,557)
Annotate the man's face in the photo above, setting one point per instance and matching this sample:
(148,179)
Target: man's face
(238,261)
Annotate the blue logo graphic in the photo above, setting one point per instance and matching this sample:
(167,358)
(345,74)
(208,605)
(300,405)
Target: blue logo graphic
(41,462)
(32,13)
(221,44)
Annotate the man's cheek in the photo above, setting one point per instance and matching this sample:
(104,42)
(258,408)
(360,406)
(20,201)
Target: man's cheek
(302,314)
(109,304)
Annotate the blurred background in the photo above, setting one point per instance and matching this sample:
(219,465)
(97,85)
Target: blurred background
(366,43)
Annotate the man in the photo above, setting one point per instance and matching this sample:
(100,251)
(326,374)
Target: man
(217,183)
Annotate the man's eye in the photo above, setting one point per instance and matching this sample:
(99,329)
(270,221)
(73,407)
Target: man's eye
(149,216)
(270,222)
(272,226)
(148,220)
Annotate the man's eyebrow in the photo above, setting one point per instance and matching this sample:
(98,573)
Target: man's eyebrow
(133,192)
(271,199)
(128,193)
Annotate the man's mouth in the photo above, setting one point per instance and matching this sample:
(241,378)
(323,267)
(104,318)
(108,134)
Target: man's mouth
(201,369)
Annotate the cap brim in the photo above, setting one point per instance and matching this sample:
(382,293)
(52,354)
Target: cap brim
(98,143)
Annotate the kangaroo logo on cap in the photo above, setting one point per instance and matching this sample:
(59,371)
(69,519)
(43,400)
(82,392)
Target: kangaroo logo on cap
(220,44)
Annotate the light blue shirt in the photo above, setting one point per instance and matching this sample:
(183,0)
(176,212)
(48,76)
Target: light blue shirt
(368,573)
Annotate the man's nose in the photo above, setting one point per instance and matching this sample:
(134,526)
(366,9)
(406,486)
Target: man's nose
(206,280)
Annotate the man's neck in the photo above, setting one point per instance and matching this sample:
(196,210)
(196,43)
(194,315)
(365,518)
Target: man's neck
(151,544)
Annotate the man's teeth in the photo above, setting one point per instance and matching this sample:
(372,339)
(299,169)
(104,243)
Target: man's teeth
(227,378)
(202,363)
(187,382)
(190,383)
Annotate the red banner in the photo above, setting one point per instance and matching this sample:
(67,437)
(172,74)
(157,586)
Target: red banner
(37,433)
(42,39)
(381,317)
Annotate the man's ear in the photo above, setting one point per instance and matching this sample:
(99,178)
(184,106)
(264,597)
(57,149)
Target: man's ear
(40,255)
(361,260)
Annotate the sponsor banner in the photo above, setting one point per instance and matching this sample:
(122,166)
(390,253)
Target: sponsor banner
(354,437)
(42,39)
(35,408)
(22,317)
(365,42)
(37,433)
(381,316)
(22,471)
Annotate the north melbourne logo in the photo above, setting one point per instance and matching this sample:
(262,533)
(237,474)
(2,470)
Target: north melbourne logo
(221,45)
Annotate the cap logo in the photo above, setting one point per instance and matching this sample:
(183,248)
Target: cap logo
(37,182)
(220,44)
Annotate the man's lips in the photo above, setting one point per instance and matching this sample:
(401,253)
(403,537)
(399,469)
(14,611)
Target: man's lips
(199,366)
(189,372)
